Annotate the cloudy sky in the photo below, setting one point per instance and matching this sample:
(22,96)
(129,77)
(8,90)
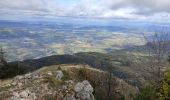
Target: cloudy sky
(148,10)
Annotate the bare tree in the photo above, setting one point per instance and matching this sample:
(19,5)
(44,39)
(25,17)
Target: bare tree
(157,46)
(2,57)
(110,83)
(109,77)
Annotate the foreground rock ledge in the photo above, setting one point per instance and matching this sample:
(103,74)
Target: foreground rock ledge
(52,83)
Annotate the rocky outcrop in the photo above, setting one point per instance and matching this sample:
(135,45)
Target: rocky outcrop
(33,86)
(84,90)
(59,74)
(54,84)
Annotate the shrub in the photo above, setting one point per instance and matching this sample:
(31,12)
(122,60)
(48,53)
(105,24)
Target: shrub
(164,88)
(66,75)
(82,74)
(11,70)
(147,93)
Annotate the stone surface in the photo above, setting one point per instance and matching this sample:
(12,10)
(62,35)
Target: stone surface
(20,85)
(78,87)
(59,74)
(18,78)
(23,95)
(84,90)
(47,83)
(14,83)
(50,73)
(83,95)
(87,87)
(27,76)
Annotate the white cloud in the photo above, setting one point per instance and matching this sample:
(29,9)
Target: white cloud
(152,5)
(121,9)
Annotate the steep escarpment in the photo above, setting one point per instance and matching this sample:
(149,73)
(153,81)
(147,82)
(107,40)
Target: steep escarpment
(65,82)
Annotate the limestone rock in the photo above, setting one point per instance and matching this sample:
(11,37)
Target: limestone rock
(37,86)
(59,74)
(78,87)
(84,90)
(23,95)
(20,85)
(87,86)
(50,73)
(83,95)
(14,83)
(27,76)
(17,78)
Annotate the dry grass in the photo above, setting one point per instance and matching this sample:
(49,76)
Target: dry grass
(5,81)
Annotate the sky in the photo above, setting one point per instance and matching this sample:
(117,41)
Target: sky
(142,10)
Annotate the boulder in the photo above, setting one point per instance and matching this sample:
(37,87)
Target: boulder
(83,86)
(78,87)
(83,95)
(59,74)
(87,86)
(84,90)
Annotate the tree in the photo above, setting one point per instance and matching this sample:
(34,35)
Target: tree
(109,77)
(147,93)
(2,57)
(8,70)
(157,46)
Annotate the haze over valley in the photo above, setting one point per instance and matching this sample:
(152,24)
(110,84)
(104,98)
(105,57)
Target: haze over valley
(36,39)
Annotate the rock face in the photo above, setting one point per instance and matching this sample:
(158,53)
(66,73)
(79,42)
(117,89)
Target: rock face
(49,84)
(31,86)
(23,95)
(76,91)
(59,74)
(84,90)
